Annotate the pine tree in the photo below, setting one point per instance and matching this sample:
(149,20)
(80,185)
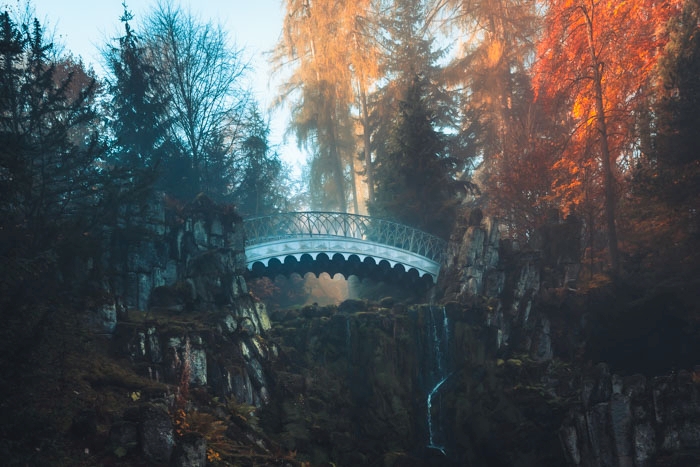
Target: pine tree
(139,118)
(260,190)
(413,178)
(50,151)
(662,206)
(678,141)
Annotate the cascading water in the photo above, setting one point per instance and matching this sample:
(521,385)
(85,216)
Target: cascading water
(439,332)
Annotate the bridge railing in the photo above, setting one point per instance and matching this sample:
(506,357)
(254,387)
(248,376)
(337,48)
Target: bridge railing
(335,224)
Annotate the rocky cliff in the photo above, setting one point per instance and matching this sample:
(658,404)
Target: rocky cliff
(516,362)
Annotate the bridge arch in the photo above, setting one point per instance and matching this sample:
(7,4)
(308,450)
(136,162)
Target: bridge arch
(349,244)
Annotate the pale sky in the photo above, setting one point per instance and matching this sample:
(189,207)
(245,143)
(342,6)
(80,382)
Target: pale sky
(83,26)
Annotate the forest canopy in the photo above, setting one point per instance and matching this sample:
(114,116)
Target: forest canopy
(573,107)
(412,110)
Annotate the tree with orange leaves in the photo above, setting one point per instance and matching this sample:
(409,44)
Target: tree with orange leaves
(596,58)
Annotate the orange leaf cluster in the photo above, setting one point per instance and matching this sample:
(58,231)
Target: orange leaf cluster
(608,43)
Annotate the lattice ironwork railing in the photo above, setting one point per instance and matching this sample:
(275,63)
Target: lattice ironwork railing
(335,224)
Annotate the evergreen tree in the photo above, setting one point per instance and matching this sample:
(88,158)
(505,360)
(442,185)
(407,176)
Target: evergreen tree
(410,54)
(260,190)
(52,180)
(662,204)
(139,117)
(412,115)
(413,178)
(50,152)
(678,141)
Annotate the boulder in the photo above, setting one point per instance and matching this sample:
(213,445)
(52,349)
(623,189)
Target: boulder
(191,451)
(156,433)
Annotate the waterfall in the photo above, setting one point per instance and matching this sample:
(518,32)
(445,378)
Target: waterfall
(439,332)
(431,440)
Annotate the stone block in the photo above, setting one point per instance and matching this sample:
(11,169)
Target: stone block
(689,435)
(169,274)
(216,241)
(105,318)
(131,291)
(153,349)
(256,372)
(602,389)
(644,444)
(216,228)
(670,438)
(198,366)
(241,387)
(617,384)
(473,246)
(235,238)
(191,451)
(569,439)
(157,277)
(600,436)
(142,257)
(156,434)
(621,419)
(201,236)
(635,386)
(263,318)
(145,285)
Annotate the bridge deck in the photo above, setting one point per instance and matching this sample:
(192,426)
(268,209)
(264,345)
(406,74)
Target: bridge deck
(280,236)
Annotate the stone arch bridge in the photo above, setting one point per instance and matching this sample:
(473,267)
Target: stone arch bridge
(349,244)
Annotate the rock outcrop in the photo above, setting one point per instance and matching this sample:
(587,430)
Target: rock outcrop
(188,323)
(196,250)
(495,372)
(634,421)
(482,269)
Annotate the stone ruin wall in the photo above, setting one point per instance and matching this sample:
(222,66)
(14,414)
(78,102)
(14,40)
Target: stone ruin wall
(172,245)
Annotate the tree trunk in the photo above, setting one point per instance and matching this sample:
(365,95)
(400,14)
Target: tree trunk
(608,178)
(337,157)
(367,143)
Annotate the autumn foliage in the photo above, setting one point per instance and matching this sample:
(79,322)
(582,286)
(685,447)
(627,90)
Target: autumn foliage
(595,69)
(611,44)
(559,102)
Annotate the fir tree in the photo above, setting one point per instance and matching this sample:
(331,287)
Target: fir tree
(413,178)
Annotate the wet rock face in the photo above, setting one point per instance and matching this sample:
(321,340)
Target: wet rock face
(472,261)
(348,386)
(201,247)
(633,421)
(417,387)
(351,387)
